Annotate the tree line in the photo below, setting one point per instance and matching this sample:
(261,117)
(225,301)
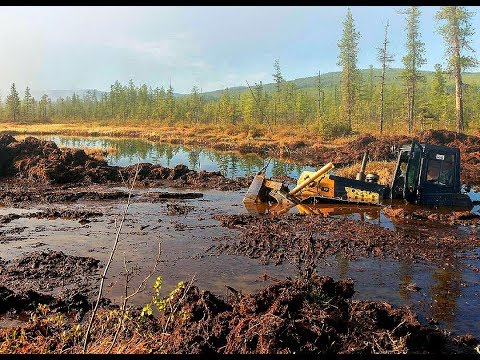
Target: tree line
(360,100)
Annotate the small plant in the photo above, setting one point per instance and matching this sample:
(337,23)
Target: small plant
(158,301)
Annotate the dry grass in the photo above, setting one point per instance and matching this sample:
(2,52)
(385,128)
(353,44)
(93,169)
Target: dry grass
(54,333)
(222,136)
(384,169)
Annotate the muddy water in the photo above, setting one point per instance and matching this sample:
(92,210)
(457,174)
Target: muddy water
(449,294)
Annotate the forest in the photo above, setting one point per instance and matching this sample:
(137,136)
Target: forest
(379,99)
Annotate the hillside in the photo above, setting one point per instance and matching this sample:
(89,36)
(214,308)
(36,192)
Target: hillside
(333,78)
(308,84)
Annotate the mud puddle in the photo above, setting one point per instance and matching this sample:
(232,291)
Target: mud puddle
(448,293)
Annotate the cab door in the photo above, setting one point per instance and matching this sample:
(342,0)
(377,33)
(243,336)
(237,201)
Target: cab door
(412,173)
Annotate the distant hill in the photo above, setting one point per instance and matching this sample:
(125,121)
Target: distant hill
(333,78)
(308,84)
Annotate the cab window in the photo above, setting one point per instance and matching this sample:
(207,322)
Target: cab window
(440,169)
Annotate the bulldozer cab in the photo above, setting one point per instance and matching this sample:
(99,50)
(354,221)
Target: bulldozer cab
(428,174)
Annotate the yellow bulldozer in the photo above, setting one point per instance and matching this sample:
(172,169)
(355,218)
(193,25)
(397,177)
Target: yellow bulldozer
(425,174)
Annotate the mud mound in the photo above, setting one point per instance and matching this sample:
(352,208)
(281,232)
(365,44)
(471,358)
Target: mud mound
(44,162)
(182,176)
(68,214)
(454,218)
(13,303)
(65,283)
(308,316)
(301,316)
(306,239)
(51,271)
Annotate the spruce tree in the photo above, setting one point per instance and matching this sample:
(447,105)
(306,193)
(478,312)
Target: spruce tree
(347,59)
(456,32)
(413,59)
(13,103)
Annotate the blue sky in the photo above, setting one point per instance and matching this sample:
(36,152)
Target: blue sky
(211,47)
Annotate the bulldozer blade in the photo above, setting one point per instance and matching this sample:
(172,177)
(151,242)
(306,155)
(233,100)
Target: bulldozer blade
(256,189)
(265,190)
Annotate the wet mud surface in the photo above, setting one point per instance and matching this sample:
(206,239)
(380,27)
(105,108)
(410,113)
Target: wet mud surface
(52,278)
(56,234)
(453,218)
(300,239)
(314,315)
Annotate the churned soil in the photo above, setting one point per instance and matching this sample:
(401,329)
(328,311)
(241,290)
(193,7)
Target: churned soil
(454,218)
(313,315)
(48,277)
(301,239)
(44,162)
(51,213)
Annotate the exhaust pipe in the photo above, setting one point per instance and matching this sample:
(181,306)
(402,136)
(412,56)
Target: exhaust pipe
(361,174)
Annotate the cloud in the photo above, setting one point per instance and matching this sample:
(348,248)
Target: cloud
(175,51)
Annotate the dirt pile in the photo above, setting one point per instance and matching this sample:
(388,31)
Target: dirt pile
(49,275)
(182,176)
(314,315)
(14,303)
(44,162)
(300,316)
(352,152)
(302,239)
(454,218)
(68,214)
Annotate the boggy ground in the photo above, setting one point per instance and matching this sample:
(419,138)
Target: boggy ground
(52,278)
(312,315)
(453,218)
(381,149)
(315,314)
(301,239)
(36,171)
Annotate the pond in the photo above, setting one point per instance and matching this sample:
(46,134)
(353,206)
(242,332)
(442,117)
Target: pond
(130,151)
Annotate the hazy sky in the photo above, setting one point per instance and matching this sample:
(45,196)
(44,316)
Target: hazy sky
(211,47)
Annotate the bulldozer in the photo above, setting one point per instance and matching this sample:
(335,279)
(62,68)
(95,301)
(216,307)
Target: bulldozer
(425,174)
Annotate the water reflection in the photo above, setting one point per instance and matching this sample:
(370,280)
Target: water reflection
(363,212)
(445,290)
(124,152)
(342,266)
(406,278)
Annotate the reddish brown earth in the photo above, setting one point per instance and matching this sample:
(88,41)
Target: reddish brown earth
(309,315)
(315,315)
(43,162)
(454,218)
(64,282)
(302,239)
